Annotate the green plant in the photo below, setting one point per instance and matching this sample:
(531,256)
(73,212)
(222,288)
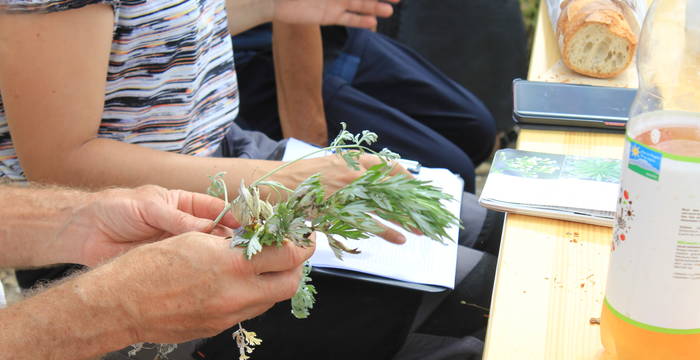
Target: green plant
(530,166)
(607,170)
(345,214)
(529,9)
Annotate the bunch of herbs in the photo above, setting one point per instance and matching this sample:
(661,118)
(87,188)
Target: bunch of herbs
(413,204)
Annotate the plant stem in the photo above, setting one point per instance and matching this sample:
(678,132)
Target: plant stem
(221,216)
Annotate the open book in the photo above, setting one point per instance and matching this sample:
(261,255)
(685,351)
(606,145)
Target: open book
(421,263)
(574,188)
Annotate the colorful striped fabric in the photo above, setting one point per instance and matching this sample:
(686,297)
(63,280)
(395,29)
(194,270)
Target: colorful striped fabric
(171,84)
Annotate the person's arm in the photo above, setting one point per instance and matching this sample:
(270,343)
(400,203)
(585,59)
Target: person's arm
(53,71)
(49,225)
(187,287)
(30,221)
(298,60)
(52,79)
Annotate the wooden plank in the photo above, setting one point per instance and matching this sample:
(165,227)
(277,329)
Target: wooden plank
(550,283)
(607,145)
(545,51)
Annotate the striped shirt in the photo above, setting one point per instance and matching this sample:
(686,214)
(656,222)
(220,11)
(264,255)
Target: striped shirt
(171,83)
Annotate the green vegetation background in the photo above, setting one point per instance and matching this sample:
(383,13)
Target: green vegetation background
(529,9)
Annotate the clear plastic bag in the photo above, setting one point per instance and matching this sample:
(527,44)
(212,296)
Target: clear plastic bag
(610,50)
(634,11)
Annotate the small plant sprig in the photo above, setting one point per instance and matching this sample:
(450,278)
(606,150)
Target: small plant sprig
(345,214)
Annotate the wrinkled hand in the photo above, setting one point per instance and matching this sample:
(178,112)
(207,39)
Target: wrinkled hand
(194,285)
(335,174)
(119,219)
(354,13)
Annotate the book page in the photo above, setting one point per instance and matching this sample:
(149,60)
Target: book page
(420,260)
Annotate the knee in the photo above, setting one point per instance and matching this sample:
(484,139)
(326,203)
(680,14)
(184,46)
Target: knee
(484,122)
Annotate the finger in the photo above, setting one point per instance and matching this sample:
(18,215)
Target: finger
(219,230)
(204,206)
(370,7)
(175,222)
(392,235)
(356,20)
(288,256)
(281,285)
(368,161)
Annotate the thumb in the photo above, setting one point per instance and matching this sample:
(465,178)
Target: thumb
(176,222)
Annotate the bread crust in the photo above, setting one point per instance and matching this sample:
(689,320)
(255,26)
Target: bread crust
(577,14)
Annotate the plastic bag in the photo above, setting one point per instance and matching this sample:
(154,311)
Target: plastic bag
(634,11)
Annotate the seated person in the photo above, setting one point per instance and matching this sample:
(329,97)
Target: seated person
(367,80)
(123,93)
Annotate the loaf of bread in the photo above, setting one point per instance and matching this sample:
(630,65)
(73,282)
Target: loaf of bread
(595,37)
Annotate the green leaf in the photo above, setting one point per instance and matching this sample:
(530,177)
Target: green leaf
(303,300)
(253,247)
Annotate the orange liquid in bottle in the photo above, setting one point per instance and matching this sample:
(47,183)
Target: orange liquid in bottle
(623,340)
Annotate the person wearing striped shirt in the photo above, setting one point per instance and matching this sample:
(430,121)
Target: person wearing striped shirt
(99,93)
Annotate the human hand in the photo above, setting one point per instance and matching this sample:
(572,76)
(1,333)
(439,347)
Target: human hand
(353,13)
(118,219)
(193,285)
(335,174)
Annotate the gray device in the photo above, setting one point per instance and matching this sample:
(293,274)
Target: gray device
(571,105)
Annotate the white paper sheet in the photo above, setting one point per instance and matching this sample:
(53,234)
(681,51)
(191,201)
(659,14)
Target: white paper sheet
(2,296)
(420,260)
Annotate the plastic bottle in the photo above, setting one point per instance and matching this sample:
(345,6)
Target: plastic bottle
(652,301)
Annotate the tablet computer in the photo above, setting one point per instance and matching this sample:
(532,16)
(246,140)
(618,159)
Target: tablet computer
(571,105)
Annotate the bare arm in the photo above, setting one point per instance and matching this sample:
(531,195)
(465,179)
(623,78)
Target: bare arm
(29,226)
(49,225)
(52,79)
(298,59)
(187,287)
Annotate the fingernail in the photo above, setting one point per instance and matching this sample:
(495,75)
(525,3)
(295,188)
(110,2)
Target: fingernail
(401,239)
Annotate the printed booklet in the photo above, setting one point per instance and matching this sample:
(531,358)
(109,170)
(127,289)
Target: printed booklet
(566,187)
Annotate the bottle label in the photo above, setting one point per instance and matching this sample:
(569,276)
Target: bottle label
(654,279)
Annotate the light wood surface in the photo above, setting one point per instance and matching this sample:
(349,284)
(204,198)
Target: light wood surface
(551,274)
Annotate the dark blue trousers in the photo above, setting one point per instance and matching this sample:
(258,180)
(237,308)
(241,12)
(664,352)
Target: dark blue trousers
(380,85)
